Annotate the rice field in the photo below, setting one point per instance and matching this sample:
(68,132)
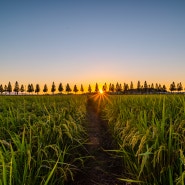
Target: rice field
(41,139)
(150,134)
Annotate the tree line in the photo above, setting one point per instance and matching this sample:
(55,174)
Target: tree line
(111,88)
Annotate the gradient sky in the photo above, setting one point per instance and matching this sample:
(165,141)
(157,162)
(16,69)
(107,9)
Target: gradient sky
(89,41)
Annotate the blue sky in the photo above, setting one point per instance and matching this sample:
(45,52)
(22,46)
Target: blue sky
(89,41)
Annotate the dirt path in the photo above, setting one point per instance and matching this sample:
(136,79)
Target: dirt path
(101,169)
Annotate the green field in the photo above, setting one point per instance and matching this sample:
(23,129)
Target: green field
(42,138)
(150,134)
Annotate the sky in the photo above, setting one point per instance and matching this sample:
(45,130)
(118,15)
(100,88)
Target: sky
(89,41)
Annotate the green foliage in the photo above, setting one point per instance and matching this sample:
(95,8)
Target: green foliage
(150,135)
(41,140)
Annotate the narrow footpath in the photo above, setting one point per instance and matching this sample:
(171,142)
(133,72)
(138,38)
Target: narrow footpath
(101,168)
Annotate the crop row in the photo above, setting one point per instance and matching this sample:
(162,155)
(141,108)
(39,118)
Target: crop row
(150,136)
(41,139)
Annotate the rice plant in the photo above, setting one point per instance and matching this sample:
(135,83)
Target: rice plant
(150,135)
(41,139)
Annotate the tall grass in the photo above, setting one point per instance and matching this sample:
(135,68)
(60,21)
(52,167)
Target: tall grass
(150,135)
(41,139)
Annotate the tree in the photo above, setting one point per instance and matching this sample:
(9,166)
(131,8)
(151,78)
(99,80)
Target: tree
(29,89)
(164,88)
(126,87)
(68,89)
(131,85)
(37,89)
(104,88)
(16,88)
(157,86)
(22,88)
(112,88)
(82,88)
(172,87)
(1,89)
(53,88)
(9,88)
(5,89)
(75,89)
(145,86)
(45,90)
(117,87)
(120,87)
(179,87)
(138,86)
(60,88)
(89,89)
(96,88)
(32,88)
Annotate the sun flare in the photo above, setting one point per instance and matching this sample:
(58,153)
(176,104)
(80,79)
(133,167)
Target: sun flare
(101,91)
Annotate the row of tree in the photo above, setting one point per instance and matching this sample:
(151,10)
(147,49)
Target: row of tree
(118,88)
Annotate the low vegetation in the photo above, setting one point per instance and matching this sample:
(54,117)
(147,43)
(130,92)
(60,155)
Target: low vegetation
(150,135)
(41,139)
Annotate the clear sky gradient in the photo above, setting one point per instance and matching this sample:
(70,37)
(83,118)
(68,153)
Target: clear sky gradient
(89,41)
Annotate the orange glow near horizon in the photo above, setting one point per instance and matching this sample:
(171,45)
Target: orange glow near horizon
(101,91)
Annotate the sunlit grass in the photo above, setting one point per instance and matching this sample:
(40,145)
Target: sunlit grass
(42,139)
(150,136)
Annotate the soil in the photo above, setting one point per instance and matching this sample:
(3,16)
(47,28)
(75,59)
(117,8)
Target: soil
(101,168)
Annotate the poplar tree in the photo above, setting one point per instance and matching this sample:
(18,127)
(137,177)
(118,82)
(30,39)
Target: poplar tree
(1,89)
(82,88)
(53,88)
(96,88)
(37,88)
(9,88)
(5,89)
(126,87)
(60,88)
(157,86)
(164,88)
(138,85)
(16,88)
(45,90)
(22,88)
(32,88)
(110,87)
(131,85)
(179,87)
(89,89)
(145,86)
(172,87)
(104,88)
(29,89)
(68,89)
(75,89)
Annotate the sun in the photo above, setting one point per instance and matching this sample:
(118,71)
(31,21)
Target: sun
(101,91)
